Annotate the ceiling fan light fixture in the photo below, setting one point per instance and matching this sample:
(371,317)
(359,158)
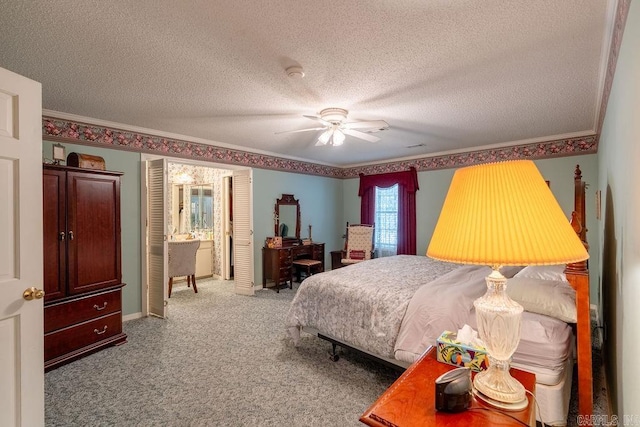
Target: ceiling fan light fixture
(334,115)
(338,138)
(326,135)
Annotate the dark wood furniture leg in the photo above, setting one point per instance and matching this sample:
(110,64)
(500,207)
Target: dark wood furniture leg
(193,279)
(170,285)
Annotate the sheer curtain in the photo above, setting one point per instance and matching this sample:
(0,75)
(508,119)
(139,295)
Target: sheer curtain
(386,221)
(407,182)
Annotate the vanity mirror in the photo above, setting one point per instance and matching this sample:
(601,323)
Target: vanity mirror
(287,217)
(192,210)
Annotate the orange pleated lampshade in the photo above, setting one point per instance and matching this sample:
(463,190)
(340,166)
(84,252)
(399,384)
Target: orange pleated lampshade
(503,214)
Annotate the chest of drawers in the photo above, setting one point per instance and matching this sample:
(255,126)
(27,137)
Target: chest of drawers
(79,326)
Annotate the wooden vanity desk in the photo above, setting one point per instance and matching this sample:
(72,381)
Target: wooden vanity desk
(277,263)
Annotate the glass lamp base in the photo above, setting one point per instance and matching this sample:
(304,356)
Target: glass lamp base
(498,318)
(517,406)
(498,384)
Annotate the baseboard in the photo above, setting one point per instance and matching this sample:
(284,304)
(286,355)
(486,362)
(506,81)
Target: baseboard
(595,318)
(132,316)
(596,329)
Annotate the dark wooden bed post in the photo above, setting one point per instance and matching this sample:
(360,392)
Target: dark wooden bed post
(578,275)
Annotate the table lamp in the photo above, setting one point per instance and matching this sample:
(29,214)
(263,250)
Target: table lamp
(499,214)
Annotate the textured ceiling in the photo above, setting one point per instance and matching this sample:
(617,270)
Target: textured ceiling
(445,75)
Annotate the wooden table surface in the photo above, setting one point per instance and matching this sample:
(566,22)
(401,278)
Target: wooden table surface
(410,401)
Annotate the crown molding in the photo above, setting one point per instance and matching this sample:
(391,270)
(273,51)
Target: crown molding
(621,11)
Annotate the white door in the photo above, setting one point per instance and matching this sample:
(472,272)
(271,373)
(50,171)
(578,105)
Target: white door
(21,316)
(243,232)
(227,230)
(157,274)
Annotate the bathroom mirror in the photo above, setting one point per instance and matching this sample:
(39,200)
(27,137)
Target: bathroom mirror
(287,217)
(201,206)
(192,210)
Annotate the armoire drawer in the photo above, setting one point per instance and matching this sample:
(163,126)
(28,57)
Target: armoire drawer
(68,313)
(82,335)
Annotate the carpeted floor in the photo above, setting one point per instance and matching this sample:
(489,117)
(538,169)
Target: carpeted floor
(220,359)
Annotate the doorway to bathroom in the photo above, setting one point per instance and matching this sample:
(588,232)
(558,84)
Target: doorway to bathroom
(194,200)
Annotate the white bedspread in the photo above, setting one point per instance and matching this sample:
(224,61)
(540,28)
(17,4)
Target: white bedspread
(396,307)
(446,304)
(363,304)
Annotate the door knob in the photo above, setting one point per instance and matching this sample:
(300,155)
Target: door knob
(32,293)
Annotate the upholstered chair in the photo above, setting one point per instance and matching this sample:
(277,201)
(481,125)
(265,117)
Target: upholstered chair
(182,261)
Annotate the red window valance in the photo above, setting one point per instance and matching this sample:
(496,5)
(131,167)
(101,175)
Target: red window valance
(406,179)
(408,185)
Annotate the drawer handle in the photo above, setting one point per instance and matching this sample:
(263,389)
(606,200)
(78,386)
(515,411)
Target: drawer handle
(102,331)
(98,308)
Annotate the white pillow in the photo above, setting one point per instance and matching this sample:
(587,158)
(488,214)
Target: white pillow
(553,298)
(509,271)
(545,272)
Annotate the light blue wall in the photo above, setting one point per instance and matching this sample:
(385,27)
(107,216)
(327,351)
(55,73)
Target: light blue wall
(435,184)
(325,203)
(619,172)
(320,205)
(129,163)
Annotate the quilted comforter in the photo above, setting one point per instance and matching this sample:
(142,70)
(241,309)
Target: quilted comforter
(364,304)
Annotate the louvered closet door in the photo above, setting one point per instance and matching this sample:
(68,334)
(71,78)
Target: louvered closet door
(156,238)
(243,232)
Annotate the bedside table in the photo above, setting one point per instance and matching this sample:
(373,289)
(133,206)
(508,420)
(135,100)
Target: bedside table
(410,401)
(336,259)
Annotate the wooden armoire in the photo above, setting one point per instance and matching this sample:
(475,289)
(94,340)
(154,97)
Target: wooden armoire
(82,262)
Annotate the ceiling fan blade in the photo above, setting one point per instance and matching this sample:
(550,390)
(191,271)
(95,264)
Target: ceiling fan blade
(371,124)
(300,130)
(361,135)
(318,119)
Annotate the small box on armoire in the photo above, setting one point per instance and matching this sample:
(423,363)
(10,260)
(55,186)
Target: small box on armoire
(86,161)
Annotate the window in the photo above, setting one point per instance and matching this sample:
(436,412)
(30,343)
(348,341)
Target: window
(386,221)
(407,185)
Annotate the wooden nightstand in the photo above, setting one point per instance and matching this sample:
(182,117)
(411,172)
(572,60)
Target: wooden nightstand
(410,401)
(336,259)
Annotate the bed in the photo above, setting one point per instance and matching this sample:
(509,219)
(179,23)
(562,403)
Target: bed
(394,308)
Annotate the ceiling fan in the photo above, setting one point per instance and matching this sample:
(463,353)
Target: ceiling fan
(335,125)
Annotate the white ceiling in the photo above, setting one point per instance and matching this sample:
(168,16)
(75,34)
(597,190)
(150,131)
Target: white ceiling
(446,75)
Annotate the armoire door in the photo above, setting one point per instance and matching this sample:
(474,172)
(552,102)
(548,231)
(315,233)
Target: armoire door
(93,231)
(54,186)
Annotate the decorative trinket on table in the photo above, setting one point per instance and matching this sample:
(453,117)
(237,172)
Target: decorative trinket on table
(458,354)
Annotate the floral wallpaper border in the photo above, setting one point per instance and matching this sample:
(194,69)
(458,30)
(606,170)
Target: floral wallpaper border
(540,150)
(62,130)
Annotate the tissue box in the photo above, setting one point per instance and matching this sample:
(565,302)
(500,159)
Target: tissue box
(455,353)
